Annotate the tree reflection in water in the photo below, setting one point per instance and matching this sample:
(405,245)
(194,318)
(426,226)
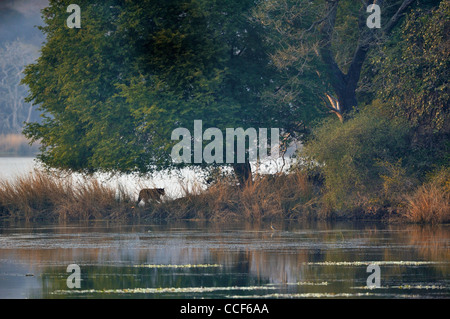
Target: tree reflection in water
(200,259)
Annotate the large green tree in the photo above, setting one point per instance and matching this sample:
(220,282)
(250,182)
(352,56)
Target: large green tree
(321,46)
(113,90)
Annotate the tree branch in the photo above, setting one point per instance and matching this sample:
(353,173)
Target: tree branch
(321,20)
(333,105)
(367,37)
(396,17)
(326,53)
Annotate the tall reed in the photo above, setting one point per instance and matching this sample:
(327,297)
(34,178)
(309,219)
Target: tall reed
(42,195)
(267,197)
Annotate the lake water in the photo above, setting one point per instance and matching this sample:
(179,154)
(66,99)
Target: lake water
(207,260)
(11,167)
(194,259)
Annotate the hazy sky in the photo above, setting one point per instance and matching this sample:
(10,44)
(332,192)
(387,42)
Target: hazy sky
(26,7)
(18,19)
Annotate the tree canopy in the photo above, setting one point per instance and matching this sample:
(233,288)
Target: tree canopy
(417,61)
(323,45)
(113,90)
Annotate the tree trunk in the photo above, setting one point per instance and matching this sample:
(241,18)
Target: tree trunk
(243,172)
(346,92)
(345,85)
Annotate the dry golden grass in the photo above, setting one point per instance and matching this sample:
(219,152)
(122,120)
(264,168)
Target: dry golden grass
(288,196)
(430,203)
(41,195)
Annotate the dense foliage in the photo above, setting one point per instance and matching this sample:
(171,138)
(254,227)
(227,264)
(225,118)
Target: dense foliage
(416,67)
(113,91)
(357,157)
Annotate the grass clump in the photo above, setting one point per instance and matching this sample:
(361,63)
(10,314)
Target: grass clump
(42,195)
(430,203)
(267,197)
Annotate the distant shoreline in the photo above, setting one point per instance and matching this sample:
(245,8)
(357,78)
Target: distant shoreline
(17,156)
(17,145)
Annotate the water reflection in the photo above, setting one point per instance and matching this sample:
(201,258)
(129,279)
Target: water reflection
(199,259)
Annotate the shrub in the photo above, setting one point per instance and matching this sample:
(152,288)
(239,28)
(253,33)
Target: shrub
(430,203)
(353,158)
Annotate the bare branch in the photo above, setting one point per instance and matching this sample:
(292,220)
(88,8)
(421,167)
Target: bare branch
(333,105)
(396,17)
(330,11)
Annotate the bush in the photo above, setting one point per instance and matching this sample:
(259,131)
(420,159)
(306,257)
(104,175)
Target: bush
(359,160)
(430,203)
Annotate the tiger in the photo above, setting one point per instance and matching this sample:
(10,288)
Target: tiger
(148,194)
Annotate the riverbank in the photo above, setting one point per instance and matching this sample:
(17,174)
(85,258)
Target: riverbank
(42,195)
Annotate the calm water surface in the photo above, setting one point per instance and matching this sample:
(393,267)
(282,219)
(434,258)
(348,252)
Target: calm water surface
(11,167)
(206,260)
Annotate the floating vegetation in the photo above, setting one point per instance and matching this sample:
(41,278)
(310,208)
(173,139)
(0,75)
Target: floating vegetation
(308,283)
(371,287)
(307,295)
(420,287)
(160,290)
(437,287)
(177,266)
(366,263)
